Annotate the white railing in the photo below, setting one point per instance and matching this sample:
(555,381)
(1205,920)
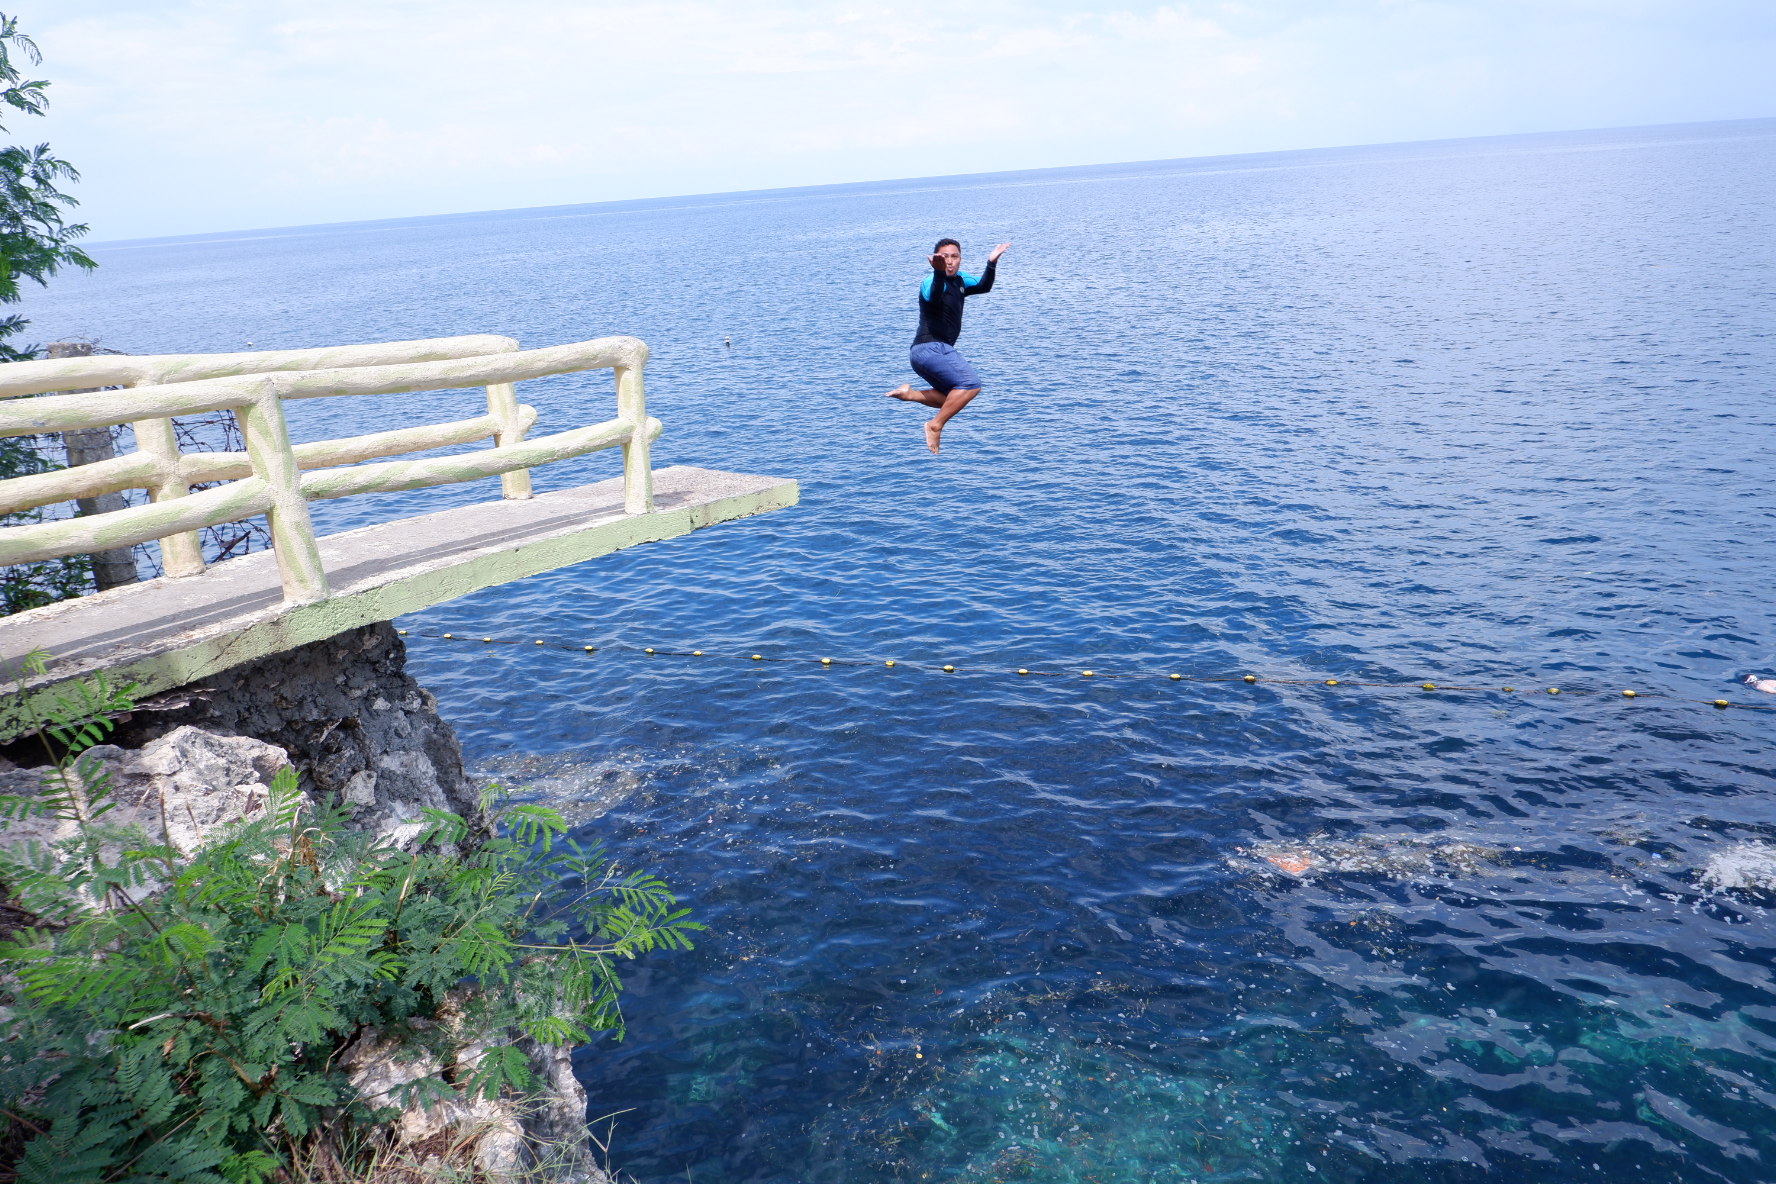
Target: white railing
(275,477)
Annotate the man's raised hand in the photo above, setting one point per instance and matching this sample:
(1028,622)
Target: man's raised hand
(998,251)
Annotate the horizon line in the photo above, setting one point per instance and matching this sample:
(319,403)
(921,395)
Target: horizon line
(617,205)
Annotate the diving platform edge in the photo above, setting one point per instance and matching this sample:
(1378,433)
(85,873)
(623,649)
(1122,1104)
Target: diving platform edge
(170,632)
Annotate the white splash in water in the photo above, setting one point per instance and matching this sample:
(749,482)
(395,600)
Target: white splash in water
(581,789)
(1744,866)
(1401,857)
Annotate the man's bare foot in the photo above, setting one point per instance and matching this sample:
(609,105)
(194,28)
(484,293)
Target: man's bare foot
(903,391)
(933,434)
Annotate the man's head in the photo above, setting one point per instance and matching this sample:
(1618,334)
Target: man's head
(950,251)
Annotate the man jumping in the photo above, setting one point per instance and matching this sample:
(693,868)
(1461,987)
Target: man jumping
(934,356)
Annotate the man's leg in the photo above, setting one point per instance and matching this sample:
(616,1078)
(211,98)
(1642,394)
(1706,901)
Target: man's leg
(935,426)
(907,394)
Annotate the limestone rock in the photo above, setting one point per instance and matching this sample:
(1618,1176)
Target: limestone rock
(180,789)
(514,1139)
(357,727)
(196,781)
(561,1115)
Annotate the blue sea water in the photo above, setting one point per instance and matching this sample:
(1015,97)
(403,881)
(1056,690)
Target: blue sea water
(1481,412)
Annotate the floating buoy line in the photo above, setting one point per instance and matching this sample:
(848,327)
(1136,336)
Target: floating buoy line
(950,668)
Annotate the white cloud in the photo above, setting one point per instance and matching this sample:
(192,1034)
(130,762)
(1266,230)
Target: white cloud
(191,115)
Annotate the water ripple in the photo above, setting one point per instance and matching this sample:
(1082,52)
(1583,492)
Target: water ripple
(1491,412)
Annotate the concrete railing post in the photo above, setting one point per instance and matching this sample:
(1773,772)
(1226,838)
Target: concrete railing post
(114,568)
(292,531)
(180,554)
(502,405)
(638,471)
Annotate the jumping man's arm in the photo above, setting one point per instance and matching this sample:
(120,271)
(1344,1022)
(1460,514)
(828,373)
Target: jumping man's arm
(985,282)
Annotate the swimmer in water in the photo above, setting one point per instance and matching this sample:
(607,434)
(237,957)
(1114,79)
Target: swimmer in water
(934,356)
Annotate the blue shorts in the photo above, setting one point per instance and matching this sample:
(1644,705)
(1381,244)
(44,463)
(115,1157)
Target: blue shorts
(944,367)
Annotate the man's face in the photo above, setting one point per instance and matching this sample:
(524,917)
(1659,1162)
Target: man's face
(951,255)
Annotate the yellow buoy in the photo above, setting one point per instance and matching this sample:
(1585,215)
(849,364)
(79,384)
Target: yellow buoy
(1251,678)
(402,632)
(758,657)
(487,639)
(1553,690)
(1021,670)
(694,653)
(649,650)
(1510,688)
(591,649)
(542,643)
(1629,694)
(1331,682)
(1176,677)
(889,662)
(1429,686)
(949,669)
(1722,703)
(826,661)
(449,636)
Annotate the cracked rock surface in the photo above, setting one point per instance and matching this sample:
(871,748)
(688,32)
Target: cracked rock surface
(358,728)
(180,788)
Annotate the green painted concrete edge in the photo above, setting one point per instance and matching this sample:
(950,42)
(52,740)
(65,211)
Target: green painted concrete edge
(308,623)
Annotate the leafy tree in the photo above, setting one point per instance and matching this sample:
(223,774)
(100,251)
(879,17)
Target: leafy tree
(36,241)
(178,1017)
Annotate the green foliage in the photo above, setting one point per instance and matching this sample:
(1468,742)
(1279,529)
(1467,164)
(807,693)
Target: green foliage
(36,240)
(81,715)
(179,1017)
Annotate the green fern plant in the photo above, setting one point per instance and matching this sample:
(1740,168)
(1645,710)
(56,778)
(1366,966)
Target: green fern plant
(179,1017)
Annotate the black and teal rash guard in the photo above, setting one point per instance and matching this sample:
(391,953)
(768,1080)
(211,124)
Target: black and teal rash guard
(940,303)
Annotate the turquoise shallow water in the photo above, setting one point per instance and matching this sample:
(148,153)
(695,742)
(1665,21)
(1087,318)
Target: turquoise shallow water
(1481,412)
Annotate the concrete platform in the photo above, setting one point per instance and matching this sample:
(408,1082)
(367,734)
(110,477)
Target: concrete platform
(166,632)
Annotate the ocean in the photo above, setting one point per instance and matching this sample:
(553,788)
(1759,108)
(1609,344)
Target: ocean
(1478,413)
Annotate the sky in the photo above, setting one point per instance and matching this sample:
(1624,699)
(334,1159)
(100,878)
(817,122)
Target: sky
(198,116)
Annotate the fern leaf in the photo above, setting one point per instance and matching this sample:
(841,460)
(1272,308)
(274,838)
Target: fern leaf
(313,1091)
(554,1029)
(501,1066)
(251,1167)
(443,827)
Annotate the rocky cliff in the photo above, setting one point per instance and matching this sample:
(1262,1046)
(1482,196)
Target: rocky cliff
(355,724)
(360,731)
